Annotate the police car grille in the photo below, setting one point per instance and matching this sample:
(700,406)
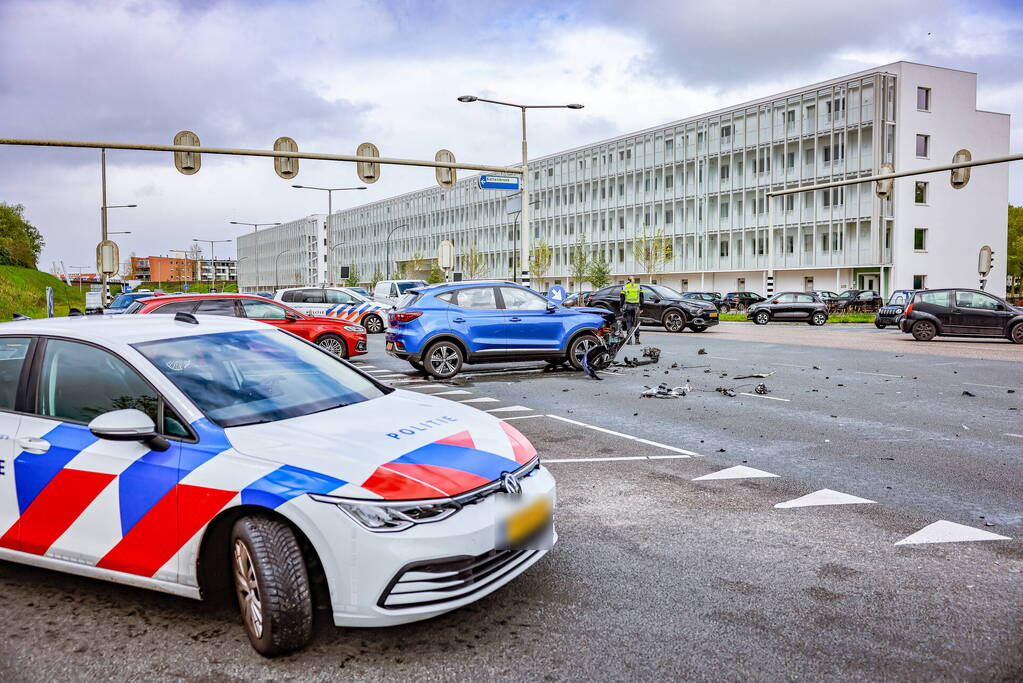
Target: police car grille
(439,581)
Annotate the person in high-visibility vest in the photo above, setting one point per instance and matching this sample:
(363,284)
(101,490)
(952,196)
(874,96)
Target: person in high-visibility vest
(631,303)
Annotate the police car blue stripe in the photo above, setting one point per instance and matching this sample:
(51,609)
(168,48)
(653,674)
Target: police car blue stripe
(147,480)
(33,471)
(286,483)
(490,466)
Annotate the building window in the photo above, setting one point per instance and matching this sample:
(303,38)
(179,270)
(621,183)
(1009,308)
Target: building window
(923,99)
(808,242)
(790,202)
(726,132)
(923,145)
(724,209)
(669,181)
(920,241)
(669,215)
(824,242)
(809,156)
(724,249)
(669,146)
(724,172)
(646,184)
(790,244)
(919,282)
(790,160)
(920,193)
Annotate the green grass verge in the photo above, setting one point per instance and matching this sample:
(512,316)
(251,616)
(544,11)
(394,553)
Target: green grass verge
(193,287)
(834,318)
(23,290)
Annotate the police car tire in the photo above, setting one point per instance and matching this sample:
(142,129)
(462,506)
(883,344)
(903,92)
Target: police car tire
(373,324)
(283,580)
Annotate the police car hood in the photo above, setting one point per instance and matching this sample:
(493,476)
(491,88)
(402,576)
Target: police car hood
(402,446)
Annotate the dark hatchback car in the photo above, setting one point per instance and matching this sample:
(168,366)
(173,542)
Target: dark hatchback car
(789,306)
(961,313)
(709,297)
(824,295)
(740,301)
(857,300)
(662,306)
(890,313)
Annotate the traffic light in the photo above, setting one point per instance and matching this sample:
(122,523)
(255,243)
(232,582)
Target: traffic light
(445,176)
(286,167)
(883,187)
(961,176)
(368,172)
(187,162)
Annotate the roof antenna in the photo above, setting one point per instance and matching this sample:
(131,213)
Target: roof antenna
(183,317)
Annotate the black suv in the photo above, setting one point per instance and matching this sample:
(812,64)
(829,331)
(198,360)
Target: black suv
(740,301)
(662,306)
(961,313)
(890,313)
(794,306)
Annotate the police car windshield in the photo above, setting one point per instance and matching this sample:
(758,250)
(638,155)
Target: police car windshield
(249,377)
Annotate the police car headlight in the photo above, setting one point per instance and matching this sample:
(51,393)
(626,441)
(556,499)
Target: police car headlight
(355,328)
(382,516)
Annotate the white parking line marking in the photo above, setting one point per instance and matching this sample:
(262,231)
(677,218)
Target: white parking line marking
(390,376)
(737,472)
(431,386)
(790,365)
(632,457)
(1018,436)
(878,374)
(944,531)
(990,386)
(773,398)
(453,392)
(823,497)
(721,358)
(951,362)
(627,436)
(500,372)
(483,399)
(510,409)
(522,417)
(408,381)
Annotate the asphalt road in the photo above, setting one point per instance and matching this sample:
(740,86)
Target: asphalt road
(658,576)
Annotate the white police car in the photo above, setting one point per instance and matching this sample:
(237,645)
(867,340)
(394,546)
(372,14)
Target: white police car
(204,455)
(337,302)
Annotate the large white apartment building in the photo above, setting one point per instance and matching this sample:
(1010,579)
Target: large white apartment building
(702,182)
(287,255)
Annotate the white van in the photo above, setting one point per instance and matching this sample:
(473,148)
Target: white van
(337,302)
(391,290)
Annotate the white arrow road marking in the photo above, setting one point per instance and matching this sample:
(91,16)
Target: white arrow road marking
(1018,436)
(453,392)
(484,399)
(510,409)
(943,531)
(737,472)
(823,497)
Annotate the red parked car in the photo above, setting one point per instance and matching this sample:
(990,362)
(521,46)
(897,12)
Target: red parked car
(339,337)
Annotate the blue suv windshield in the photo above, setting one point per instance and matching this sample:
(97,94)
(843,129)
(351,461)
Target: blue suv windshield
(249,377)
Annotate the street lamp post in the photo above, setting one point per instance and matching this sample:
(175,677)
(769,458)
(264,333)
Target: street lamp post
(103,217)
(277,265)
(524,215)
(213,261)
(387,250)
(330,205)
(255,227)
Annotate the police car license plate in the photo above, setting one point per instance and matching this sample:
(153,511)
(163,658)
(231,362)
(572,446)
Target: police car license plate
(522,524)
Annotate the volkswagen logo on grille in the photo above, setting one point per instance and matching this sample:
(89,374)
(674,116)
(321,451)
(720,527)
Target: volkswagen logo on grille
(510,484)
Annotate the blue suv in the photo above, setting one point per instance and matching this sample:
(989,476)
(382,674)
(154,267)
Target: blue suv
(440,327)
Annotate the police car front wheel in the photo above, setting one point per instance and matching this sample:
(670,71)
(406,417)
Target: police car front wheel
(272,585)
(373,324)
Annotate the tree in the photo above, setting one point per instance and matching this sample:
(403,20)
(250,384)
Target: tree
(599,272)
(415,264)
(401,270)
(474,264)
(540,258)
(1014,255)
(20,241)
(436,275)
(377,277)
(353,277)
(579,263)
(652,252)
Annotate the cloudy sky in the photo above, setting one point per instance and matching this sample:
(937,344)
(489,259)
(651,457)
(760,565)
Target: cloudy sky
(334,73)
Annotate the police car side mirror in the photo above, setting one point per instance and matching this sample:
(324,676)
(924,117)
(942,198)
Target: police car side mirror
(128,425)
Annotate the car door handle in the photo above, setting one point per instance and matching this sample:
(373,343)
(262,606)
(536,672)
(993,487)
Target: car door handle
(33,444)
(515,320)
(458,320)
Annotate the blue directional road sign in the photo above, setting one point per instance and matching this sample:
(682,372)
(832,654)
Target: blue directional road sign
(557,293)
(499,182)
